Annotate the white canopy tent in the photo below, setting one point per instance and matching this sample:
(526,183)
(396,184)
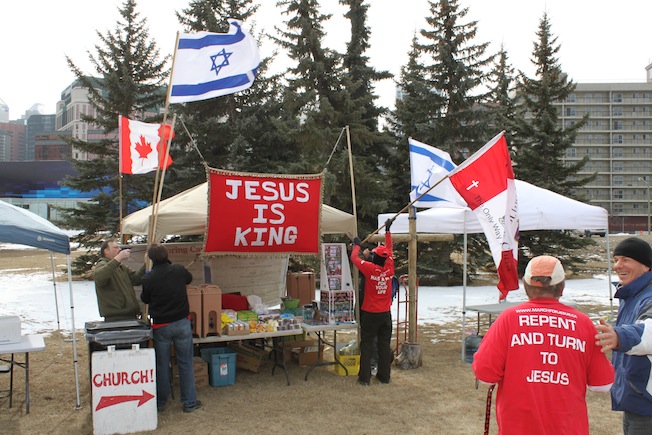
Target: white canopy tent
(538,209)
(187,212)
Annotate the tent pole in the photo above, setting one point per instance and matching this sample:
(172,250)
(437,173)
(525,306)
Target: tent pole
(56,303)
(412,277)
(74,335)
(464,271)
(611,298)
(356,273)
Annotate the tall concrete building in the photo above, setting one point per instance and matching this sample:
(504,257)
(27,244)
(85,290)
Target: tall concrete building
(37,124)
(618,141)
(73,104)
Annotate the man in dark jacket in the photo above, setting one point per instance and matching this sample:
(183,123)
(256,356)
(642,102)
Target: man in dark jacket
(631,338)
(164,289)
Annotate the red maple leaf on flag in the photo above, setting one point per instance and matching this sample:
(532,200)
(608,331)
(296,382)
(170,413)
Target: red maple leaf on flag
(143,147)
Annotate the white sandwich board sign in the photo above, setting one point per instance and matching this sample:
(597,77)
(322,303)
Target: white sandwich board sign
(123,384)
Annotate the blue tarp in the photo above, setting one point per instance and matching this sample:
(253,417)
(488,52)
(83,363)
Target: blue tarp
(23,227)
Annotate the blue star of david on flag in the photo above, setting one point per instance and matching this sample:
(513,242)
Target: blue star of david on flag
(225,61)
(429,167)
(209,65)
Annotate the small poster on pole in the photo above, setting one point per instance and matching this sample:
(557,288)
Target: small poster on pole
(335,269)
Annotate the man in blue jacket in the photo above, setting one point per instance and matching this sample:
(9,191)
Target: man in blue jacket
(631,338)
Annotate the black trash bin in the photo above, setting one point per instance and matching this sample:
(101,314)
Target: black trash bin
(122,334)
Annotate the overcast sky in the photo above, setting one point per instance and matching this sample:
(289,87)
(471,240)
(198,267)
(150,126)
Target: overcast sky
(601,41)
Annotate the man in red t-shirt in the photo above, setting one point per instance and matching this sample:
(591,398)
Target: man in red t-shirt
(375,314)
(543,356)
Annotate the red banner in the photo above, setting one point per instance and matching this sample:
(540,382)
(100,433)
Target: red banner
(263,213)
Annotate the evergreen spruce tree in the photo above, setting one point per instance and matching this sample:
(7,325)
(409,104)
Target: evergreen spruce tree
(319,103)
(441,94)
(417,107)
(500,104)
(130,82)
(540,137)
(455,67)
(541,141)
(373,150)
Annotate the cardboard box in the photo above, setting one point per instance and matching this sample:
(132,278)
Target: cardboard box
(304,352)
(247,315)
(248,357)
(301,285)
(239,327)
(10,329)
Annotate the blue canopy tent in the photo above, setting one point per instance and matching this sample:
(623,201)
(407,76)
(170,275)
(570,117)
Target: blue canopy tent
(23,227)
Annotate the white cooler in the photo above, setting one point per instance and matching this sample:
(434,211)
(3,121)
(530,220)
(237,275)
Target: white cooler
(9,329)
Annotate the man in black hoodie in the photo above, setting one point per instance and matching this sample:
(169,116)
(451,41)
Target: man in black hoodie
(164,289)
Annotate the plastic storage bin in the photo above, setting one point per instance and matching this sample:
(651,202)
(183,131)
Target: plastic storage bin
(352,364)
(221,365)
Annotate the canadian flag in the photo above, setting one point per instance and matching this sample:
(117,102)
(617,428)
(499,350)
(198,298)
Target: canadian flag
(486,182)
(140,152)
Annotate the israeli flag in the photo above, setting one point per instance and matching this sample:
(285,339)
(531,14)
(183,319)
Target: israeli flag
(209,65)
(429,166)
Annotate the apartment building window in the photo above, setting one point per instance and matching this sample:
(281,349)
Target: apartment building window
(598,97)
(618,125)
(571,152)
(617,208)
(618,166)
(570,123)
(619,180)
(617,152)
(588,96)
(570,111)
(618,194)
(618,98)
(617,111)
(572,98)
(618,138)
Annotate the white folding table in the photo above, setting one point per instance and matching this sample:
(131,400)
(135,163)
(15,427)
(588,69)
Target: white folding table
(28,343)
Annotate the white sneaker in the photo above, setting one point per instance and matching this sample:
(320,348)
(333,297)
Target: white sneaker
(374,370)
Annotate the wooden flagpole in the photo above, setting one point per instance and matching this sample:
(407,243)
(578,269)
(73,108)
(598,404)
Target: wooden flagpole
(356,272)
(165,166)
(156,194)
(406,207)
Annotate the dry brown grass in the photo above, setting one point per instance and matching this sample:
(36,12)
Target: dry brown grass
(438,398)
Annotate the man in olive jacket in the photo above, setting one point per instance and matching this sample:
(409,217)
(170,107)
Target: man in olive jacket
(114,283)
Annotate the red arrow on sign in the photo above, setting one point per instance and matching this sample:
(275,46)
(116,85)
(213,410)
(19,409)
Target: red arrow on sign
(107,401)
